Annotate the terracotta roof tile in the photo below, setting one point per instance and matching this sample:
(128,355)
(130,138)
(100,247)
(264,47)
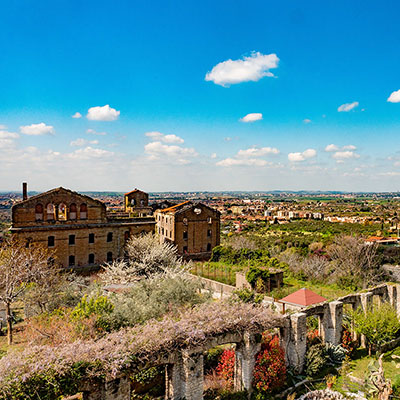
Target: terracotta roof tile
(303,297)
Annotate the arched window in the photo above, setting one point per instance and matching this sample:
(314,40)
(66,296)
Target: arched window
(142,203)
(62,212)
(39,212)
(50,212)
(133,202)
(83,211)
(109,256)
(72,211)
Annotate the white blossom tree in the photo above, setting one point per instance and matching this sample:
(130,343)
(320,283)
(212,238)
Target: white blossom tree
(146,257)
(21,265)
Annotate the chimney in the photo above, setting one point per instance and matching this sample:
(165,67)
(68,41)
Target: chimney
(24,191)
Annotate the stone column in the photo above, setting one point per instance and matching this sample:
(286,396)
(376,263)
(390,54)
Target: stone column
(116,389)
(366,300)
(192,376)
(174,381)
(332,323)
(245,359)
(297,346)
(394,297)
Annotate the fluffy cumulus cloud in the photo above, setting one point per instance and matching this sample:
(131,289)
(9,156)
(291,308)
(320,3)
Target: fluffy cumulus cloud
(307,121)
(249,157)
(305,155)
(87,153)
(345,155)
(104,113)
(394,97)
(249,162)
(257,152)
(333,147)
(165,138)
(7,139)
(83,142)
(251,68)
(348,106)
(252,117)
(177,154)
(77,115)
(37,129)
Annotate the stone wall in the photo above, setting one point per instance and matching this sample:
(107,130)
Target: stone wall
(184,368)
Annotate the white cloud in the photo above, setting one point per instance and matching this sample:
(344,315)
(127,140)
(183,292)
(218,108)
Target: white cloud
(333,147)
(154,135)
(349,147)
(249,162)
(88,153)
(252,117)
(394,97)
(77,115)
(93,132)
(165,138)
(8,135)
(83,142)
(37,129)
(345,155)
(251,68)
(257,152)
(307,121)
(348,106)
(7,139)
(157,150)
(213,155)
(306,154)
(172,139)
(105,113)
(2,127)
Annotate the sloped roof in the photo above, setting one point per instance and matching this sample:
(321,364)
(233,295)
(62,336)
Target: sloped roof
(176,207)
(55,190)
(303,297)
(135,191)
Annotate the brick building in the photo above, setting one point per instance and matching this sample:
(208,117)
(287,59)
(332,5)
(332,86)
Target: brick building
(136,202)
(193,227)
(77,227)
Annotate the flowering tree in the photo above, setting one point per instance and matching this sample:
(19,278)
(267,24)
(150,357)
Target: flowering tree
(20,266)
(146,257)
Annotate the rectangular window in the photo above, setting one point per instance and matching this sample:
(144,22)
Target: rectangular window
(91,237)
(71,261)
(71,240)
(209,233)
(109,237)
(50,241)
(91,258)
(185,235)
(185,249)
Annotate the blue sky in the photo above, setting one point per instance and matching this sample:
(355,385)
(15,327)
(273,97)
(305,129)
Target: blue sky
(164,88)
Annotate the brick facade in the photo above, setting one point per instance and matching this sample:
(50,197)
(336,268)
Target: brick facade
(193,227)
(75,226)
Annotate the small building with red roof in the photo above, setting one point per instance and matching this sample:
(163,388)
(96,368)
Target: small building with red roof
(300,299)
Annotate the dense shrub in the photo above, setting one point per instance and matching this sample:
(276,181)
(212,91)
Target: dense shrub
(242,256)
(378,324)
(154,297)
(270,367)
(226,367)
(315,359)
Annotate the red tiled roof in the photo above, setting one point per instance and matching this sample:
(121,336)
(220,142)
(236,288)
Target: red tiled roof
(134,191)
(303,297)
(175,207)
